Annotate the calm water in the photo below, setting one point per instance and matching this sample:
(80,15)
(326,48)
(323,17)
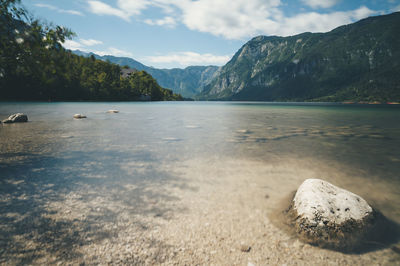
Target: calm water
(53,154)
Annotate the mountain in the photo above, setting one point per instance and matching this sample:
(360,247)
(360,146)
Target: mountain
(355,62)
(187,82)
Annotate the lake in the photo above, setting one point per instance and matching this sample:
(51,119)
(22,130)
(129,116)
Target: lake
(185,182)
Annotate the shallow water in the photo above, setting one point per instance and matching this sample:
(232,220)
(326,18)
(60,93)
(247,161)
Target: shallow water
(68,182)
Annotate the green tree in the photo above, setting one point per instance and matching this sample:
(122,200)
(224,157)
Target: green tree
(35,66)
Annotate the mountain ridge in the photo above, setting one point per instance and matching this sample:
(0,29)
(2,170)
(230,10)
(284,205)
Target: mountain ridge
(358,61)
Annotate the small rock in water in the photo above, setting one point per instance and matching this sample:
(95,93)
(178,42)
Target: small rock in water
(79,116)
(245,248)
(192,126)
(329,216)
(244,131)
(19,117)
(396,248)
(112,111)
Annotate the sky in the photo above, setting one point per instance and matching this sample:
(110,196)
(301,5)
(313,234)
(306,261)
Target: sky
(179,33)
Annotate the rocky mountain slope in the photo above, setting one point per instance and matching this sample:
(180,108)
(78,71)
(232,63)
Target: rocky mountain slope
(355,62)
(187,82)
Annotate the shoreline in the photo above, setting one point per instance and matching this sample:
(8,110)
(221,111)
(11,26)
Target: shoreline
(356,103)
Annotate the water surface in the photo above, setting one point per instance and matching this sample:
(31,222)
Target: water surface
(67,182)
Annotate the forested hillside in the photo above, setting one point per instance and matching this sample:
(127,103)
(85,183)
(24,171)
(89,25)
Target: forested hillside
(187,82)
(34,66)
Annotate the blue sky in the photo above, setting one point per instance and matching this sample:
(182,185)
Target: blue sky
(178,33)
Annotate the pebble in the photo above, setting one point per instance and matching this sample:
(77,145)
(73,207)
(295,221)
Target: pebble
(396,248)
(20,117)
(79,116)
(245,248)
(298,244)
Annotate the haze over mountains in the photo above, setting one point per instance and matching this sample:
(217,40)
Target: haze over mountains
(355,62)
(188,82)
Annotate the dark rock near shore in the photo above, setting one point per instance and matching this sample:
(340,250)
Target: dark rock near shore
(15,118)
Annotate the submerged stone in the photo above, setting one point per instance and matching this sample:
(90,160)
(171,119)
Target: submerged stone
(19,117)
(329,216)
(79,116)
(112,111)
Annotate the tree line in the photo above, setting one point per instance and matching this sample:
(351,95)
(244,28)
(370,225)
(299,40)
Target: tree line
(35,66)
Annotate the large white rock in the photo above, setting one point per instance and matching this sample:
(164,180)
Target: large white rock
(330,216)
(330,202)
(19,117)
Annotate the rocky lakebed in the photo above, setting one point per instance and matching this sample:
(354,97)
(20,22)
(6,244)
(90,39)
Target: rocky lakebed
(79,193)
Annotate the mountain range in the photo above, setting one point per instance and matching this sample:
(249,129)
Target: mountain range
(188,82)
(355,62)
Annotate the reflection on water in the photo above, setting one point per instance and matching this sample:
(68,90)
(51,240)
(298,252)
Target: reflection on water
(70,187)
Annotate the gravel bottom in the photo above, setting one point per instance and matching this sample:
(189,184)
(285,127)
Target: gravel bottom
(208,215)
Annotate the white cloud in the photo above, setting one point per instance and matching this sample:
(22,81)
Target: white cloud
(101,8)
(72,12)
(90,42)
(114,51)
(246,18)
(360,13)
(167,21)
(125,8)
(396,9)
(133,7)
(234,19)
(182,58)
(59,10)
(82,44)
(85,45)
(315,22)
(320,3)
(189,59)
(73,45)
